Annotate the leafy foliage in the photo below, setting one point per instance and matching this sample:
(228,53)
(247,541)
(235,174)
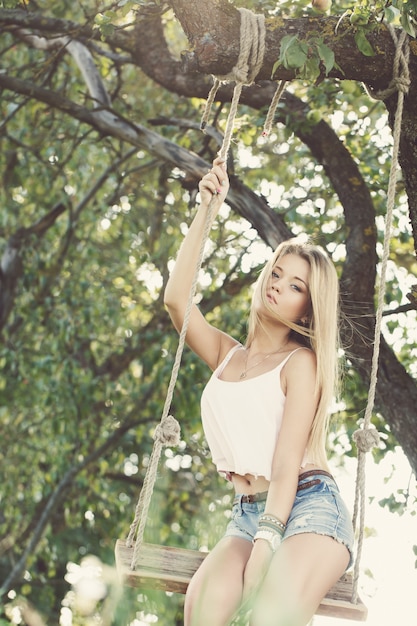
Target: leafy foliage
(309,58)
(313,57)
(87,349)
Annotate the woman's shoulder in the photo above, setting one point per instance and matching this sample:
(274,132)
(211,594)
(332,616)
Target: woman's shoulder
(299,370)
(300,356)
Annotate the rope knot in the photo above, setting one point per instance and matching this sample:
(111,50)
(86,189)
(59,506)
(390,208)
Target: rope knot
(248,65)
(168,431)
(366,438)
(401,83)
(397,84)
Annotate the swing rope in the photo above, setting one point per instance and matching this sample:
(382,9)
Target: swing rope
(367,436)
(167,433)
(251,56)
(249,63)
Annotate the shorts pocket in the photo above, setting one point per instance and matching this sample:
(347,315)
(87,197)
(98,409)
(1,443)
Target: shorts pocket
(236,512)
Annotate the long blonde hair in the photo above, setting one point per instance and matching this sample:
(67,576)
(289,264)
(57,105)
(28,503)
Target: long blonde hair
(321,334)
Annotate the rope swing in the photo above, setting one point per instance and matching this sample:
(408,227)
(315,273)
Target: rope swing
(367,437)
(168,568)
(167,433)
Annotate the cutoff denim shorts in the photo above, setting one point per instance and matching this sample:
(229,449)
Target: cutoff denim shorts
(318,508)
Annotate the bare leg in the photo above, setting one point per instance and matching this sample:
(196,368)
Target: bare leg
(302,571)
(215,590)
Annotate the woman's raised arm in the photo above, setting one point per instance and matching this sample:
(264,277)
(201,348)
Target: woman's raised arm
(205,340)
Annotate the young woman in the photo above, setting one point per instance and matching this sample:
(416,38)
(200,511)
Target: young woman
(264,414)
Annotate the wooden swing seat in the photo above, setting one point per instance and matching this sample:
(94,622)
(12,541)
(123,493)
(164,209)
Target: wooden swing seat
(170,569)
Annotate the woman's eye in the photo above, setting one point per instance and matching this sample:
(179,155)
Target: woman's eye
(275,275)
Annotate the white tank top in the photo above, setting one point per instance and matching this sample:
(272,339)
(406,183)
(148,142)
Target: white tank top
(242,420)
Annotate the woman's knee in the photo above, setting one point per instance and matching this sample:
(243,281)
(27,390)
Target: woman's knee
(215,590)
(212,603)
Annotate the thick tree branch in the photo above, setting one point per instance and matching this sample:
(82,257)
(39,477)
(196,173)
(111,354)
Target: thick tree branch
(250,206)
(212,29)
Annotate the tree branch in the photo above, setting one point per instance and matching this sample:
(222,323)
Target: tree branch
(255,209)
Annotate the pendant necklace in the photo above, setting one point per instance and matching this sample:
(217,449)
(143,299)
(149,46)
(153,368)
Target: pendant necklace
(247,369)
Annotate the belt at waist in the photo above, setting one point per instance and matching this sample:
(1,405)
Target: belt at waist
(262,495)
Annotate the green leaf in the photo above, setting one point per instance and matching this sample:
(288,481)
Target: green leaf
(407,24)
(293,53)
(311,69)
(326,56)
(391,14)
(275,67)
(363,44)
(360,16)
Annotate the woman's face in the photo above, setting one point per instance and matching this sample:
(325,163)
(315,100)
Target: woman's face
(287,288)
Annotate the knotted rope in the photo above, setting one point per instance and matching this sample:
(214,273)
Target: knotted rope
(248,65)
(168,431)
(251,56)
(367,437)
(401,72)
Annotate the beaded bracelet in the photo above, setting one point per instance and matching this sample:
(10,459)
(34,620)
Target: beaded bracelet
(273,520)
(270,527)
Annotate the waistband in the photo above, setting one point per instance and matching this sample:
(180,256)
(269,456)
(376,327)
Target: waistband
(262,495)
(314,473)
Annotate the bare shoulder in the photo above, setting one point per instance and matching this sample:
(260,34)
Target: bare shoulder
(302,354)
(302,363)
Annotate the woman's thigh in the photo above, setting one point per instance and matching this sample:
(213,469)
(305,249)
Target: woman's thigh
(215,591)
(303,570)
(319,508)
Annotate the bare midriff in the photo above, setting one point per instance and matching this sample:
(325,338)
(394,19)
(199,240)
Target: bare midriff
(250,484)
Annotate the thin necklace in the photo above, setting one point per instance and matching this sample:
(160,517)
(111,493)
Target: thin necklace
(247,369)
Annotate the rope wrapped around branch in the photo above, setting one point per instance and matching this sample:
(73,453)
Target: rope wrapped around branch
(251,56)
(401,72)
(248,65)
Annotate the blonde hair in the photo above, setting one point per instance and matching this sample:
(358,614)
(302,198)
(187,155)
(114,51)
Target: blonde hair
(320,334)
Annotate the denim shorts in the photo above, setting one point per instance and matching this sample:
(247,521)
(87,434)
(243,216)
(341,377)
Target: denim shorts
(318,508)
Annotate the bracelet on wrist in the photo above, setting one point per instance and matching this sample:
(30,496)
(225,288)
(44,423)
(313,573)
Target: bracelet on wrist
(267,517)
(274,539)
(270,527)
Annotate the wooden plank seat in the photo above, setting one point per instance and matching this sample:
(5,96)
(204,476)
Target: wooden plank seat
(170,569)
